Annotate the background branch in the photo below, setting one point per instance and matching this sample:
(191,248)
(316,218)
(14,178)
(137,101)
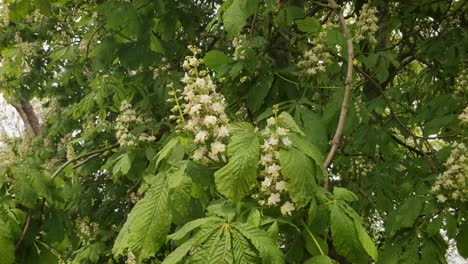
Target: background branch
(347,95)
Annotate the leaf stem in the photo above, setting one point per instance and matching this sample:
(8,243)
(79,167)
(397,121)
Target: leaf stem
(313,238)
(286,79)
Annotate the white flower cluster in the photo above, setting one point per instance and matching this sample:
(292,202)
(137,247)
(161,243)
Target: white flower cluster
(461,82)
(453,183)
(367,24)
(358,103)
(131,258)
(26,48)
(161,69)
(70,152)
(239,49)
(86,230)
(273,188)
(361,166)
(202,111)
(126,121)
(4,16)
(463,117)
(314,60)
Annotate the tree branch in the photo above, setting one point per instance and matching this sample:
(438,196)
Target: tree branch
(347,95)
(29,117)
(88,157)
(92,153)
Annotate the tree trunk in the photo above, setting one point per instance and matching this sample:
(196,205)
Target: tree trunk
(29,117)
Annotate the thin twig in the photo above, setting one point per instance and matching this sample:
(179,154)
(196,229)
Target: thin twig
(92,36)
(25,229)
(253,22)
(81,163)
(347,95)
(99,151)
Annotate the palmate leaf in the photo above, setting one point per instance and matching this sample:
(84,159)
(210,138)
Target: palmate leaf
(32,183)
(218,241)
(148,223)
(217,248)
(235,179)
(299,171)
(269,251)
(200,237)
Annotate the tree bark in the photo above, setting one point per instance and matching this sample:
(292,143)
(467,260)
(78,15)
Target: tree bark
(29,117)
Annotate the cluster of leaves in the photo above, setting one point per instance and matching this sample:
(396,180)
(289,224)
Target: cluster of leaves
(151,204)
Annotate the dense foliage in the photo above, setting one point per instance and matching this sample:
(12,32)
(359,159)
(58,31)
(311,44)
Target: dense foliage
(203,131)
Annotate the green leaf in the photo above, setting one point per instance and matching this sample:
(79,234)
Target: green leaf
(241,249)
(66,53)
(123,165)
(451,225)
(287,121)
(216,249)
(269,251)
(366,241)
(405,215)
(254,218)
(215,60)
(344,194)
(312,152)
(335,37)
(308,25)
(123,19)
(44,6)
(7,248)
(434,249)
(23,189)
(148,223)
(236,15)
(258,92)
(344,235)
(155,45)
(164,153)
(462,240)
(236,178)
(382,72)
(319,260)
(192,225)
(89,253)
(180,252)
(299,171)
(179,194)
(312,247)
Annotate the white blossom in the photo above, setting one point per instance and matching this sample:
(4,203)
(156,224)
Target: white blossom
(274,199)
(266,182)
(217,147)
(280,186)
(286,141)
(201,136)
(287,208)
(271,121)
(199,153)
